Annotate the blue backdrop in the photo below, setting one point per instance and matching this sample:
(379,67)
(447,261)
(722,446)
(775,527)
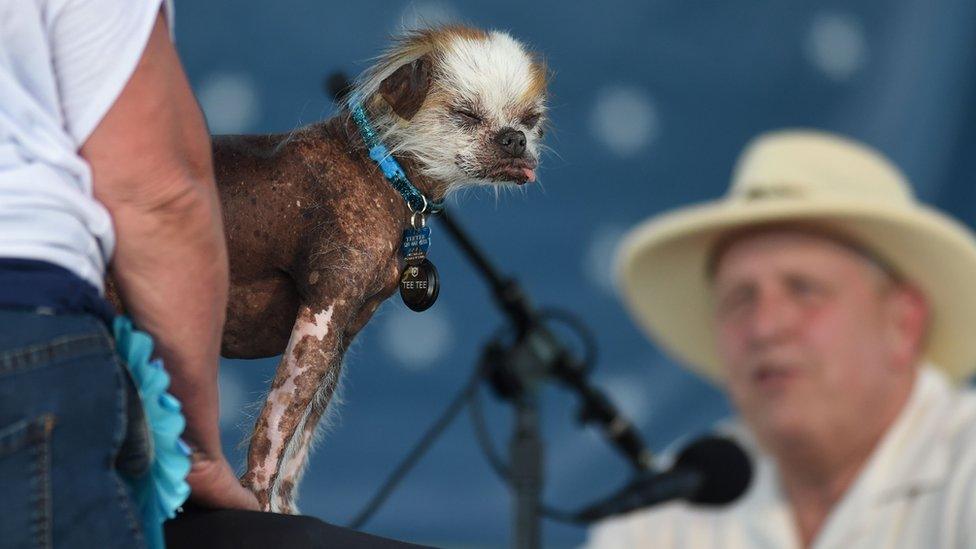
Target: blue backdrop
(651,102)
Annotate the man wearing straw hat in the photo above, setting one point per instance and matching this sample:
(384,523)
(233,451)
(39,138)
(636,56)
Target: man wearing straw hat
(839,314)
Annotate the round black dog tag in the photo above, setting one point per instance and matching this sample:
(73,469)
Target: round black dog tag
(419,285)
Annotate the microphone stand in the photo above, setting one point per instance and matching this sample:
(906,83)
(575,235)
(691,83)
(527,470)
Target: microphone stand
(516,372)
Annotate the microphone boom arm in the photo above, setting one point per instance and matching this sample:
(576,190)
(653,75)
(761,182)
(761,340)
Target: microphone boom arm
(549,356)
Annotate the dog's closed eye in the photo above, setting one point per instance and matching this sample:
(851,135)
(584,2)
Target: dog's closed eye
(530,120)
(466,116)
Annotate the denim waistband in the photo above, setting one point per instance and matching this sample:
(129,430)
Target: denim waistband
(33,284)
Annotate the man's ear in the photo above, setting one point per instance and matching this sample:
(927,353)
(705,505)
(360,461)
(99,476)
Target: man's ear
(406,88)
(910,316)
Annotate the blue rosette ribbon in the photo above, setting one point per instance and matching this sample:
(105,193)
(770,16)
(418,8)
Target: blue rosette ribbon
(161,490)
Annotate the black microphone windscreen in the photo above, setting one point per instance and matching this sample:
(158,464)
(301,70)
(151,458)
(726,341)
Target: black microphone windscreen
(337,85)
(725,468)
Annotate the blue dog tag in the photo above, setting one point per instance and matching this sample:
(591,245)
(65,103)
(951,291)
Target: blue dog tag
(415,244)
(419,283)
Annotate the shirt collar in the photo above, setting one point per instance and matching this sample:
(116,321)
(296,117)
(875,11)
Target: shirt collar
(913,456)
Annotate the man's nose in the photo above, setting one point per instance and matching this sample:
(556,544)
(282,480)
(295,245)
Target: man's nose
(773,317)
(511,141)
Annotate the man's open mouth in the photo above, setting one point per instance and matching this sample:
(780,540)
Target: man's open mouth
(771,376)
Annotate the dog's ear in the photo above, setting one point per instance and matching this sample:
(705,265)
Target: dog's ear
(406,89)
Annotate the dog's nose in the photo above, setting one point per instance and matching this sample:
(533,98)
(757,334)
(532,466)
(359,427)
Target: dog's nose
(511,141)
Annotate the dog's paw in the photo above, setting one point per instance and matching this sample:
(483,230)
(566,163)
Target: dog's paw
(284,504)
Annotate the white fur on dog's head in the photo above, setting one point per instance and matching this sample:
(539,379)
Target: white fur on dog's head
(446,95)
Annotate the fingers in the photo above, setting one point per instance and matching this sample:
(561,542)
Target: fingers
(213,484)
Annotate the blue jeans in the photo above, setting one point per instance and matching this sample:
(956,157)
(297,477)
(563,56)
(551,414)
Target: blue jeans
(64,412)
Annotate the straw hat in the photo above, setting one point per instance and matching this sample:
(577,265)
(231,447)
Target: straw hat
(802,176)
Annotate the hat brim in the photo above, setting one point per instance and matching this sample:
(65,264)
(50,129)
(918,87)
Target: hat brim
(661,271)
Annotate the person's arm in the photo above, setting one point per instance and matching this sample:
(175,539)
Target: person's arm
(152,169)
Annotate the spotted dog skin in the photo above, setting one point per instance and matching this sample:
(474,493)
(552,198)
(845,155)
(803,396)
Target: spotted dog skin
(313,233)
(313,228)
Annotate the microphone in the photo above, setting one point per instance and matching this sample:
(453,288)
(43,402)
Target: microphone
(712,471)
(337,85)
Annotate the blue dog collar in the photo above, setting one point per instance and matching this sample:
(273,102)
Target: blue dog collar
(391,169)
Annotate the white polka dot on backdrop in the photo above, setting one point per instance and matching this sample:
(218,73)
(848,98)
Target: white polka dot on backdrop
(415,341)
(836,45)
(230,102)
(624,119)
(598,261)
(232,397)
(629,392)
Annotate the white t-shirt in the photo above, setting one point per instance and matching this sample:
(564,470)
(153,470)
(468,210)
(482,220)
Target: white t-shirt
(63,63)
(918,490)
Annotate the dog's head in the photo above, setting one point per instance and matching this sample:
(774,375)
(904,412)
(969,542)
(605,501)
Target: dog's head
(467,105)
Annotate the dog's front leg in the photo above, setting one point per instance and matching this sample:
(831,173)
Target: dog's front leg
(303,385)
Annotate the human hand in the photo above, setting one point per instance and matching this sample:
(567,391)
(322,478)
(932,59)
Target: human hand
(213,484)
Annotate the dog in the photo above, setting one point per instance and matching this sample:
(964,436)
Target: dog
(314,229)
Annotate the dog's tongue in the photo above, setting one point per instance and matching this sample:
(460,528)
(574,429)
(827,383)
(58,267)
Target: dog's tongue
(529,174)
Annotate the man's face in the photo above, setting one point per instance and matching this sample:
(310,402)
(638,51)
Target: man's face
(817,340)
